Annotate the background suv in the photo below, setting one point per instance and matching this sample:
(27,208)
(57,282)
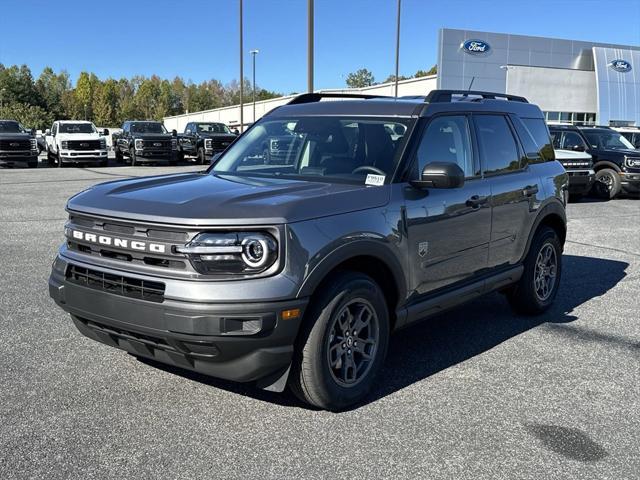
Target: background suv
(382,213)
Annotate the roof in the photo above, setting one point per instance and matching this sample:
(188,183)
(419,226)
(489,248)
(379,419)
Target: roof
(319,104)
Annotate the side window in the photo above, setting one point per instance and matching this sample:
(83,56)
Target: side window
(594,140)
(498,148)
(540,133)
(446,139)
(571,141)
(555,139)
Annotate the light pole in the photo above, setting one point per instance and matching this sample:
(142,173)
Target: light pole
(253,54)
(241,75)
(397,47)
(310,46)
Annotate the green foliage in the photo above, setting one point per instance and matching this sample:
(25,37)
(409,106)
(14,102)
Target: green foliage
(360,78)
(110,102)
(421,73)
(30,116)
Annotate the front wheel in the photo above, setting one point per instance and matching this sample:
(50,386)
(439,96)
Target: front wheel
(537,288)
(610,181)
(118,153)
(201,156)
(132,157)
(342,344)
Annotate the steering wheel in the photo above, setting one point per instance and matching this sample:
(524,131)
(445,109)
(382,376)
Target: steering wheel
(370,168)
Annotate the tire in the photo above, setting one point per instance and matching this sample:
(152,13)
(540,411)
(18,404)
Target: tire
(32,165)
(537,288)
(50,158)
(201,156)
(103,163)
(59,160)
(119,158)
(132,157)
(322,335)
(611,180)
(180,156)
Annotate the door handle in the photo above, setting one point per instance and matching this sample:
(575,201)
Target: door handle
(530,190)
(476,201)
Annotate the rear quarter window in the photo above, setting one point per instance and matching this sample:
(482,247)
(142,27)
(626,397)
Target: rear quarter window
(539,131)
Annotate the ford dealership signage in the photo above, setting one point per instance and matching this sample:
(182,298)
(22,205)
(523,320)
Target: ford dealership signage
(620,66)
(475,47)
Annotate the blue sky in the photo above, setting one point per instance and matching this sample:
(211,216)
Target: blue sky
(198,39)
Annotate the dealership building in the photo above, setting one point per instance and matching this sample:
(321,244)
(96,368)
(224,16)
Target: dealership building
(572,81)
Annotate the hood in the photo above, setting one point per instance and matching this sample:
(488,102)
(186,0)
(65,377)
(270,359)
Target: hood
(571,155)
(152,136)
(204,199)
(78,136)
(222,136)
(16,136)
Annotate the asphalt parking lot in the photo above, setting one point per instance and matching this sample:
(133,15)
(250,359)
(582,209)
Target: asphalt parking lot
(476,393)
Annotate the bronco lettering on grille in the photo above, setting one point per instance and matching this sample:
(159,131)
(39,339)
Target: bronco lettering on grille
(119,242)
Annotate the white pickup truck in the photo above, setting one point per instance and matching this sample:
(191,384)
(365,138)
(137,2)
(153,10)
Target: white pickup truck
(76,141)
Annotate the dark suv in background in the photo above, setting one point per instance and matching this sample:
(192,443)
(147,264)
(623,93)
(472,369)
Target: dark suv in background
(18,146)
(382,212)
(145,142)
(615,160)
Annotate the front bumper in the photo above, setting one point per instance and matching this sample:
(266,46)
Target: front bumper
(15,158)
(580,181)
(240,341)
(81,156)
(154,156)
(630,182)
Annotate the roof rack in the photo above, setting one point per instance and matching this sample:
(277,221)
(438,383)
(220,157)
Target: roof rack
(443,96)
(317,96)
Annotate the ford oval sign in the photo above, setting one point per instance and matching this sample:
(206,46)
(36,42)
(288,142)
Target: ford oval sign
(620,66)
(475,47)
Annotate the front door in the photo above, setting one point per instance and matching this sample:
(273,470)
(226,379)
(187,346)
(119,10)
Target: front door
(448,229)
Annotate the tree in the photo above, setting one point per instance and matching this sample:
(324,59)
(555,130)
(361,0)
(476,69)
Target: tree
(360,78)
(86,93)
(30,116)
(392,78)
(106,107)
(17,86)
(421,73)
(51,87)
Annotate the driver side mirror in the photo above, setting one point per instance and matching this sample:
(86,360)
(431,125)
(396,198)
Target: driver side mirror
(174,133)
(578,148)
(440,175)
(47,131)
(32,132)
(105,132)
(188,131)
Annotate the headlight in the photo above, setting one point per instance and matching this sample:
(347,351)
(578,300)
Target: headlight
(103,144)
(34,144)
(174,144)
(231,253)
(208,143)
(633,162)
(138,144)
(64,145)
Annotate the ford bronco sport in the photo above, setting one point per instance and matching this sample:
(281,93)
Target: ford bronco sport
(295,272)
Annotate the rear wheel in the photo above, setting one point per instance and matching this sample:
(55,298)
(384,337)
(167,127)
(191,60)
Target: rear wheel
(610,181)
(537,288)
(342,344)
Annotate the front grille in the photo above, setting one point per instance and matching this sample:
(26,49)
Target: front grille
(116,284)
(156,144)
(15,145)
(83,144)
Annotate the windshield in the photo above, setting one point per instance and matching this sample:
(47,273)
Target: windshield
(212,128)
(611,140)
(329,149)
(148,127)
(10,127)
(77,128)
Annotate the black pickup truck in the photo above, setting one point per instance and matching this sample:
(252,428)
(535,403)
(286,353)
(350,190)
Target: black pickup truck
(18,146)
(204,139)
(145,142)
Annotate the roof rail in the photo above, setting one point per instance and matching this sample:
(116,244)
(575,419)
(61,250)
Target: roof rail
(443,96)
(317,96)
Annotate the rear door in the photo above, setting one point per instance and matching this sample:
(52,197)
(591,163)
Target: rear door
(515,190)
(448,229)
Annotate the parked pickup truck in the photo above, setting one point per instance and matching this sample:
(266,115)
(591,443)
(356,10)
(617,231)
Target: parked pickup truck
(204,139)
(145,142)
(75,141)
(17,145)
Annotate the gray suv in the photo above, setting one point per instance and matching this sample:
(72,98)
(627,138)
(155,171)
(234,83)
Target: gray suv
(294,272)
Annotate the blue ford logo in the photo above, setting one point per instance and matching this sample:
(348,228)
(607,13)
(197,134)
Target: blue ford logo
(475,47)
(620,66)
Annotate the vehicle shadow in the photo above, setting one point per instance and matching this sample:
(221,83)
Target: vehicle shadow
(440,342)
